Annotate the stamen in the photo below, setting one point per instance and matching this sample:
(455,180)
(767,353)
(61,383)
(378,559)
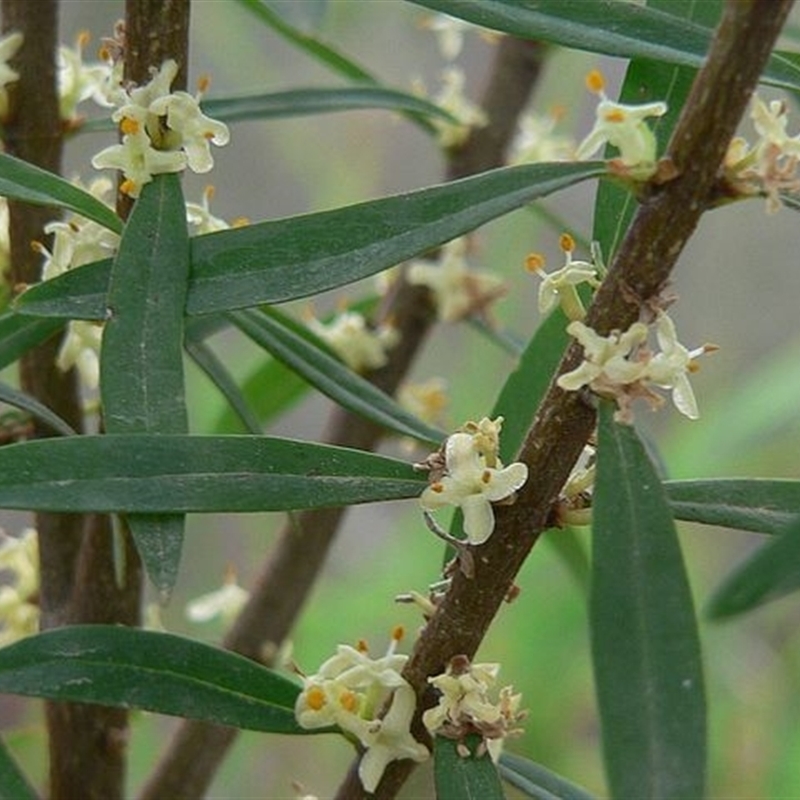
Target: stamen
(349,701)
(566,243)
(315,698)
(595,82)
(129,126)
(534,262)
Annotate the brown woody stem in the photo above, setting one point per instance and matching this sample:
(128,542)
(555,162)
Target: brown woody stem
(663,224)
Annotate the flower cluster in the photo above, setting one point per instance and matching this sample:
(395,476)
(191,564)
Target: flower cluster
(465,707)
(537,140)
(349,690)
(622,366)
(458,291)
(451,98)
(19,611)
(9,45)
(162,132)
(468,473)
(769,167)
(361,347)
(624,127)
(559,287)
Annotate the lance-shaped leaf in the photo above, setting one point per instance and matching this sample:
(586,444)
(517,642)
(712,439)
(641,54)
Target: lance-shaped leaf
(141,364)
(161,473)
(460,777)
(13,783)
(18,334)
(761,505)
(296,348)
(302,102)
(119,666)
(26,402)
(20,180)
(286,259)
(772,572)
(628,30)
(536,781)
(645,645)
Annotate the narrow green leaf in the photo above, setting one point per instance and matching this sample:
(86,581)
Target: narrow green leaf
(464,778)
(161,473)
(141,364)
(19,333)
(119,666)
(526,385)
(312,45)
(206,359)
(286,259)
(772,572)
(17,399)
(645,645)
(20,180)
(536,781)
(302,102)
(298,350)
(761,505)
(627,30)
(13,783)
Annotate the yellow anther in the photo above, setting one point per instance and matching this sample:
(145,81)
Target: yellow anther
(129,126)
(437,487)
(240,222)
(534,262)
(486,476)
(209,192)
(398,632)
(349,701)
(128,186)
(315,698)
(203,82)
(566,243)
(595,82)
(84,37)
(362,646)
(615,115)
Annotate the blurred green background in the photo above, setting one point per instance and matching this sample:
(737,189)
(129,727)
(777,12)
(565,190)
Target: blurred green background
(739,286)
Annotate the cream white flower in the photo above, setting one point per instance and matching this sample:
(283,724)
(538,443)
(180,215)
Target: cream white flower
(80,348)
(224,603)
(623,127)
(19,610)
(457,290)
(608,362)
(162,132)
(559,287)
(537,141)
(349,690)
(670,368)
(78,81)
(471,484)
(452,99)
(199,215)
(465,706)
(9,45)
(427,399)
(359,346)
(390,739)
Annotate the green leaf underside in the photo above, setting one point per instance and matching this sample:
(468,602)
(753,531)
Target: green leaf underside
(19,333)
(626,30)
(537,781)
(159,473)
(287,259)
(772,572)
(645,645)
(298,350)
(13,783)
(119,666)
(761,505)
(17,399)
(464,778)
(20,180)
(141,364)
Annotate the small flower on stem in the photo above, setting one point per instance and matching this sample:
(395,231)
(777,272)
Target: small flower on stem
(536,140)
(452,99)
(559,287)
(458,291)
(360,347)
(19,609)
(623,127)
(224,603)
(9,45)
(472,478)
